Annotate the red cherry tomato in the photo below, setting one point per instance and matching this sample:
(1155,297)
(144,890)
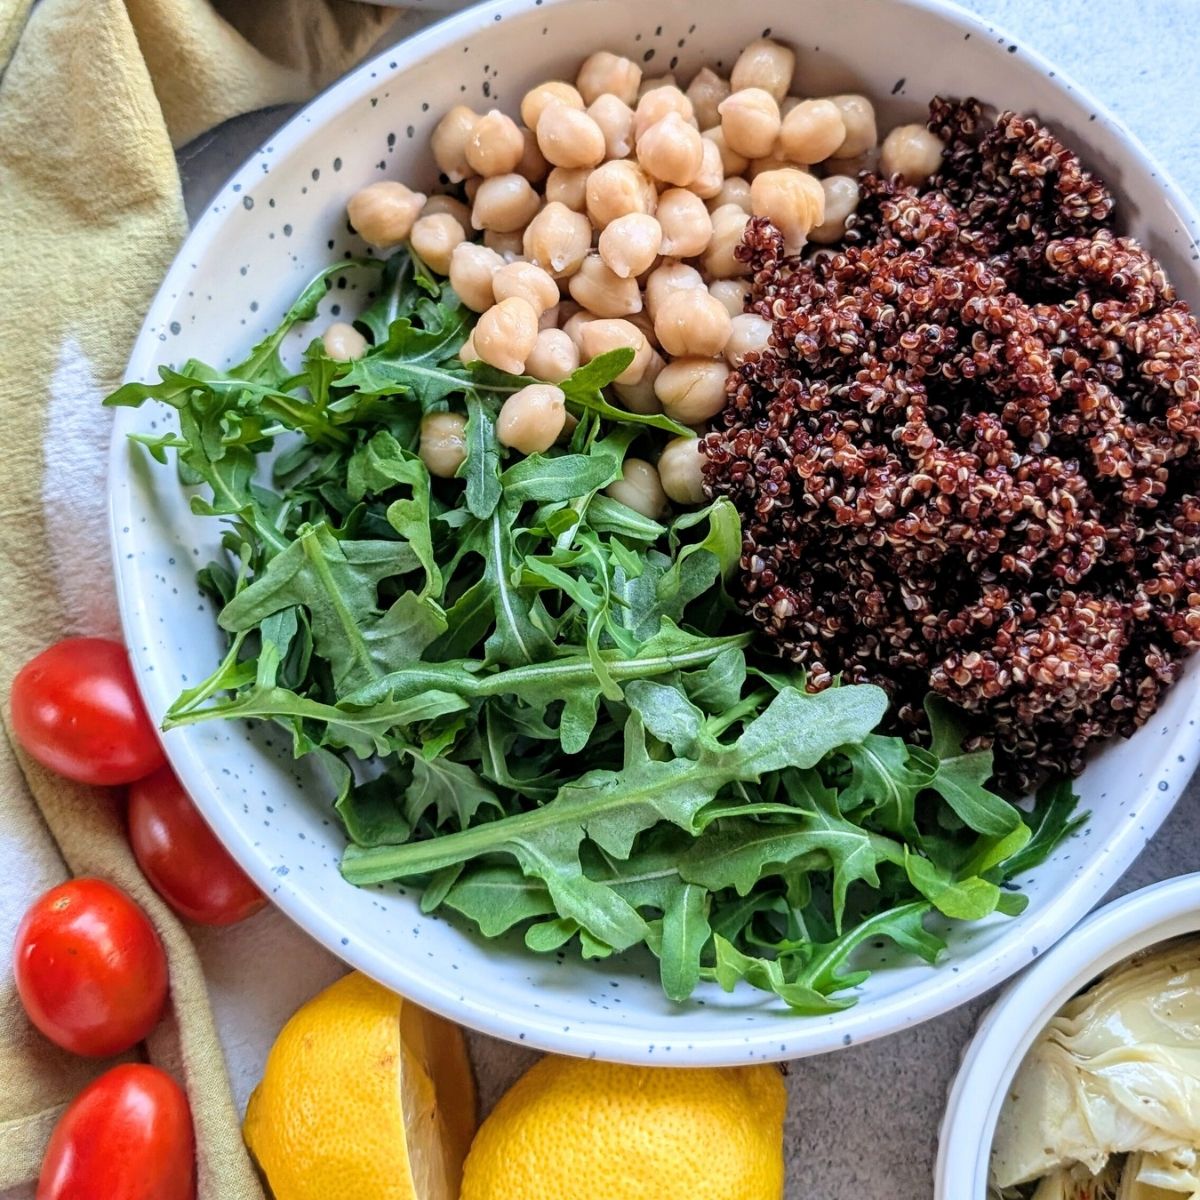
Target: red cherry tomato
(126,1136)
(89,967)
(76,709)
(182,858)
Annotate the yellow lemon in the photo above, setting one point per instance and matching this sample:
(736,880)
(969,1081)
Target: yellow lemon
(364,1097)
(572,1128)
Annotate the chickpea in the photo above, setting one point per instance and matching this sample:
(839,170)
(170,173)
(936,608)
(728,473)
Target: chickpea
(533,164)
(549,318)
(538,99)
(448,204)
(735,190)
(858,116)
(770,163)
(812,131)
(639,397)
(574,326)
(671,151)
(911,152)
(616,121)
(443,446)
(706,91)
(467,354)
(384,213)
(433,240)
(558,239)
(449,142)
(787,104)
(505,335)
(617,189)
(531,420)
(666,279)
(656,104)
(681,470)
(600,336)
(732,293)
(868,160)
(603,292)
(731,162)
(729,224)
(607,72)
(841,199)
(792,200)
(495,144)
(764,64)
(553,357)
(508,245)
(568,185)
(472,267)
(639,488)
(750,122)
(528,281)
(692,323)
(629,245)
(712,171)
(568,137)
(504,203)
(685,223)
(692,390)
(343,342)
(749,334)
(471,188)
(656,81)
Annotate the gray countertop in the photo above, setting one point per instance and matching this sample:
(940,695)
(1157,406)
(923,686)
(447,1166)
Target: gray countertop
(863,1123)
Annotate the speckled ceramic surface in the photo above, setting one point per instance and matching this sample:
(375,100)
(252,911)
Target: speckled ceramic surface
(281,218)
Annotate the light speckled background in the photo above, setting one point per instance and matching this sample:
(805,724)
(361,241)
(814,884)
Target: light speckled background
(862,1123)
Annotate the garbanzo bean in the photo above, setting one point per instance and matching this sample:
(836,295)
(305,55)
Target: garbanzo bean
(666,278)
(841,199)
(343,342)
(692,323)
(533,164)
(639,397)
(706,91)
(656,81)
(911,152)
(602,292)
(600,336)
(731,162)
(692,390)
(553,357)
(508,245)
(656,104)
(685,223)
(538,99)
(729,223)
(858,116)
(494,145)
(639,488)
(448,204)
(681,470)
(607,72)
(749,334)
(433,240)
(574,326)
(734,190)
(558,239)
(549,318)
(506,333)
(617,189)
(712,171)
(792,200)
(771,163)
(868,160)
(671,151)
(529,281)
(568,137)
(629,245)
(448,142)
(383,213)
(504,203)
(443,446)
(531,420)
(764,64)
(732,293)
(615,119)
(568,185)
(467,354)
(812,131)
(750,122)
(471,269)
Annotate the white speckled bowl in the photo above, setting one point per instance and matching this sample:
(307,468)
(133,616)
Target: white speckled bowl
(1124,927)
(282,217)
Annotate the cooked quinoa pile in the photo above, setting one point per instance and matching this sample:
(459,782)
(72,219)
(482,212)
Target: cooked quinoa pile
(967,462)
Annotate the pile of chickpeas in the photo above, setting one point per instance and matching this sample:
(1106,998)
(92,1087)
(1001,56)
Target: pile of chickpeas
(608,217)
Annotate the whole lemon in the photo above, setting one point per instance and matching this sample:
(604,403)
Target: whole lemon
(572,1128)
(364,1097)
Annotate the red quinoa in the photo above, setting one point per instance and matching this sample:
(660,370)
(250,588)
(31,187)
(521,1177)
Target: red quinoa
(968,462)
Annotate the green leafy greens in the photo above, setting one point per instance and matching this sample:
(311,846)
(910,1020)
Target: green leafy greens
(539,703)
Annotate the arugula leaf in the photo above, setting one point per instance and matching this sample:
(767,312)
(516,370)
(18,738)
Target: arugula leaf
(481,467)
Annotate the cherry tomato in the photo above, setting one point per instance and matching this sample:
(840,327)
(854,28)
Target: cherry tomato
(89,967)
(76,709)
(126,1136)
(182,858)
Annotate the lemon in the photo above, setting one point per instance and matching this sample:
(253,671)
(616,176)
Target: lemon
(572,1128)
(364,1097)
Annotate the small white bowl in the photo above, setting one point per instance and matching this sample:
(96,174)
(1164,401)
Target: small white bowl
(1135,922)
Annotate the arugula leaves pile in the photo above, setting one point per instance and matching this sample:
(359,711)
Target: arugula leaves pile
(538,702)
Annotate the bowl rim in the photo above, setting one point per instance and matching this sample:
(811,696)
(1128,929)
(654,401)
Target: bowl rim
(728,1043)
(1125,926)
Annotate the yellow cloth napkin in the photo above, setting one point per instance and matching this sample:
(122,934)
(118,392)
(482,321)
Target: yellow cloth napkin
(93,95)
